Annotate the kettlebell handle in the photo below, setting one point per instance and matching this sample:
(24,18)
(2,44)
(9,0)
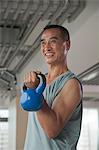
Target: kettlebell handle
(24,87)
(41,84)
(40,88)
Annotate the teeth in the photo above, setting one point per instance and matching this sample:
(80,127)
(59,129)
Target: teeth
(48,54)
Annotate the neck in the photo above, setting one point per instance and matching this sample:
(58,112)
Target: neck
(55,71)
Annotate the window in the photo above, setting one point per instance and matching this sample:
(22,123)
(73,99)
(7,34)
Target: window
(89,134)
(4,129)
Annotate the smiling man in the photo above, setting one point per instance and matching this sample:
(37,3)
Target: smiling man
(57,124)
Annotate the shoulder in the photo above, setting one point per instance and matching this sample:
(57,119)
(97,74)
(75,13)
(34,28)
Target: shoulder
(70,95)
(73,89)
(73,83)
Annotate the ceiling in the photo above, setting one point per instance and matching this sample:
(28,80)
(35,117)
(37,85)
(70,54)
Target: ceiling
(21,21)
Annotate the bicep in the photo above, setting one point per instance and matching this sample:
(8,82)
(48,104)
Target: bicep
(67,101)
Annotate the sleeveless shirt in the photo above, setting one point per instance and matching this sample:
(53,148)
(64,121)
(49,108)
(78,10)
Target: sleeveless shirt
(36,138)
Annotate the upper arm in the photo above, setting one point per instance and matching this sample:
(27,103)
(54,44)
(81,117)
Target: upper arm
(67,101)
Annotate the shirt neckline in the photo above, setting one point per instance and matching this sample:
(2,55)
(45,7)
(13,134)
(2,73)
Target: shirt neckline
(52,82)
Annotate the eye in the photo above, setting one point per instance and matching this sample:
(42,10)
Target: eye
(53,41)
(42,43)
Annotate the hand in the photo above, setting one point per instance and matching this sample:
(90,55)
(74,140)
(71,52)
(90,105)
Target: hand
(31,80)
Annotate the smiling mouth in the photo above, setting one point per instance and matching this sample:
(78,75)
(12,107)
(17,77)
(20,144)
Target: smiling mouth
(49,54)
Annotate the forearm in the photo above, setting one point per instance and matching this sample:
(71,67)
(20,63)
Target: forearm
(48,120)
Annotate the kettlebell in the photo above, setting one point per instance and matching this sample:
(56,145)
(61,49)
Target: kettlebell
(32,99)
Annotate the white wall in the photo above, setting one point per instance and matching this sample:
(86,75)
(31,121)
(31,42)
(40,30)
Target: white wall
(85,39)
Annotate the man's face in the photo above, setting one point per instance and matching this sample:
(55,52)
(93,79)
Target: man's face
(53,47)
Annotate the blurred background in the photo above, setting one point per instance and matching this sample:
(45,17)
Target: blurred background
(21,23)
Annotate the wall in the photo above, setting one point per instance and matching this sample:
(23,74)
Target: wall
(21,124)
(84,31)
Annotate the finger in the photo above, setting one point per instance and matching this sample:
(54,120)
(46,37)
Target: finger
(33,76)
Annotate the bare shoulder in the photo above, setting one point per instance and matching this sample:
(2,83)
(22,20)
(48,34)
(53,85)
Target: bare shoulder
(68,99)
(72,85)
(71,92)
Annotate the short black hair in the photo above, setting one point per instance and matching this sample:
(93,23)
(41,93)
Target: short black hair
(64,31)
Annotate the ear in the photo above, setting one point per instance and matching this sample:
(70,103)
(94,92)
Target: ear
(67,45)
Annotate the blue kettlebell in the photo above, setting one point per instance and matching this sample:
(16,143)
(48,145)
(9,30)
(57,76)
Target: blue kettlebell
(32,99)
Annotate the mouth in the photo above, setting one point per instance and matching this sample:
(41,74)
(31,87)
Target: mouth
(49,54)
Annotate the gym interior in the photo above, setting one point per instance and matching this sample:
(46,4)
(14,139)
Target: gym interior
(21,23)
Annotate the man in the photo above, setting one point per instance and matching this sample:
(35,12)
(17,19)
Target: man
(57,124)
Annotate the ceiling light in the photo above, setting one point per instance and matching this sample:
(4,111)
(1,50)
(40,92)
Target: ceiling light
(90,76)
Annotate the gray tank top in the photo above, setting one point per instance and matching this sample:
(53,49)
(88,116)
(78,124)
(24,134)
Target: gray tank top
(36,139)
